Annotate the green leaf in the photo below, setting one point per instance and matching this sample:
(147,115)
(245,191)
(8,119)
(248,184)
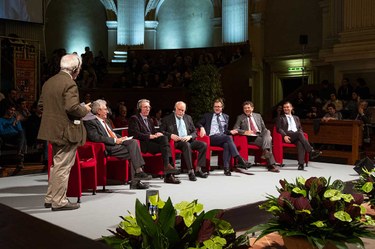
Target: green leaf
(343,216)
(299,191)
(368,187)
(319,224)
(129,224)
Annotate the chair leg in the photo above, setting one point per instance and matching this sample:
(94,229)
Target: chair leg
(93,192)
(79,200)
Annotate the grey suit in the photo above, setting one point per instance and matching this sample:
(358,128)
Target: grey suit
(263,138)
(61,126)
(128,149)
(169,127)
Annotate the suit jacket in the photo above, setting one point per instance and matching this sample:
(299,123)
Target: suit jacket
(242,124)
(61,106)
(138,129)
(97,133)
(207,119)
(169,126)
(282,124)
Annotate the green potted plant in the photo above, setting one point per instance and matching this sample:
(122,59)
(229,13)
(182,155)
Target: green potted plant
(160,225)
(317,211)
(204,89)
(365,185)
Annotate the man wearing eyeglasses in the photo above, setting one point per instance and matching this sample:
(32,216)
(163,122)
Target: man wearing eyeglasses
(141,127)
(215,125)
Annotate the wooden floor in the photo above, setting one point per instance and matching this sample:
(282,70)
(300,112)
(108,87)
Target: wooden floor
(29,168)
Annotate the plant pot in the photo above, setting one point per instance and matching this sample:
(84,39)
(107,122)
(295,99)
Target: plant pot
(294,242)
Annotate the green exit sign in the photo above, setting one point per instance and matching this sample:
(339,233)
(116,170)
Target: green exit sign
(295,69)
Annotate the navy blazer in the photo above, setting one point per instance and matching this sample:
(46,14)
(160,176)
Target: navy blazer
(138,129)
(169,126)
(206,120)
(282,124)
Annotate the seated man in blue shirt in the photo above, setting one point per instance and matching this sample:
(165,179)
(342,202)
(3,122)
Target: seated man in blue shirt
(215,125)
(11,132)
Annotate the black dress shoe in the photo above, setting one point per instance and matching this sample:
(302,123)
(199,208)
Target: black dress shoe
(300,166)
(68,206)
(139,185)
(47,205)
(192,177)
(142,176)
(171,179)
(314,154)
(201,174)
(227,172)
(170,170)
(273,168)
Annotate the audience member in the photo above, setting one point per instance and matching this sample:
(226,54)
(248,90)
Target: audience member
(142,128)
(333,100)
(179,127)
(121,120)
(122,147)
(11,132)
(362,89)
(351,107)
(61,125)
(325,91)
(252,126)
(289,126)
(10,99)
(23,109)
(215,125)
(299,105)
(331,114)
(345,90)
(157,117)
(364,115)
(313,113)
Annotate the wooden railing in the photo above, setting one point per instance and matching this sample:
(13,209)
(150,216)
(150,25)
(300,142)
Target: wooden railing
(336,132)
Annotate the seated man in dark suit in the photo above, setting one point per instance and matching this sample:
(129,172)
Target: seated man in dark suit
(252,125)
(99,131)
(141,127)
(179,127)
(215,125)
(11,132)
(289,126)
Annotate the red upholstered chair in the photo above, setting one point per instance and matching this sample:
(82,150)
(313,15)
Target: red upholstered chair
(153,162)
(109,167)
(279,145)
(243,148)
(83,173)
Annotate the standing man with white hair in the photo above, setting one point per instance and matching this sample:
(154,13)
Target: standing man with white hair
(61,125)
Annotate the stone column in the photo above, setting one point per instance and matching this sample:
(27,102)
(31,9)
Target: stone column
(150,34)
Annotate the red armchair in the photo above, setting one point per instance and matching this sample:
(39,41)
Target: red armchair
(279,145)
(175,151)
(109,167)
(243,148)
(83,173)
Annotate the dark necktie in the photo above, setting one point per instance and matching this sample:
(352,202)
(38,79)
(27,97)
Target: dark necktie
(219,123)
(146,123)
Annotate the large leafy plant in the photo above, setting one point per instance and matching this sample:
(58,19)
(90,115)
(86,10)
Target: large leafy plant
(365,185)
(204,89)
(319,211)
(161,225)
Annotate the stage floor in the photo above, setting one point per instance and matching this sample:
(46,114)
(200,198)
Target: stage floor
(101,211)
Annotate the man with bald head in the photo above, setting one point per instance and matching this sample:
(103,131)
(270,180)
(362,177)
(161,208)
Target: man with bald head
(179,127)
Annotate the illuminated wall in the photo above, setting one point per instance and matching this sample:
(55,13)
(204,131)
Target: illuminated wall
(131,22)
(184,24)
(73,25)
(235,21)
